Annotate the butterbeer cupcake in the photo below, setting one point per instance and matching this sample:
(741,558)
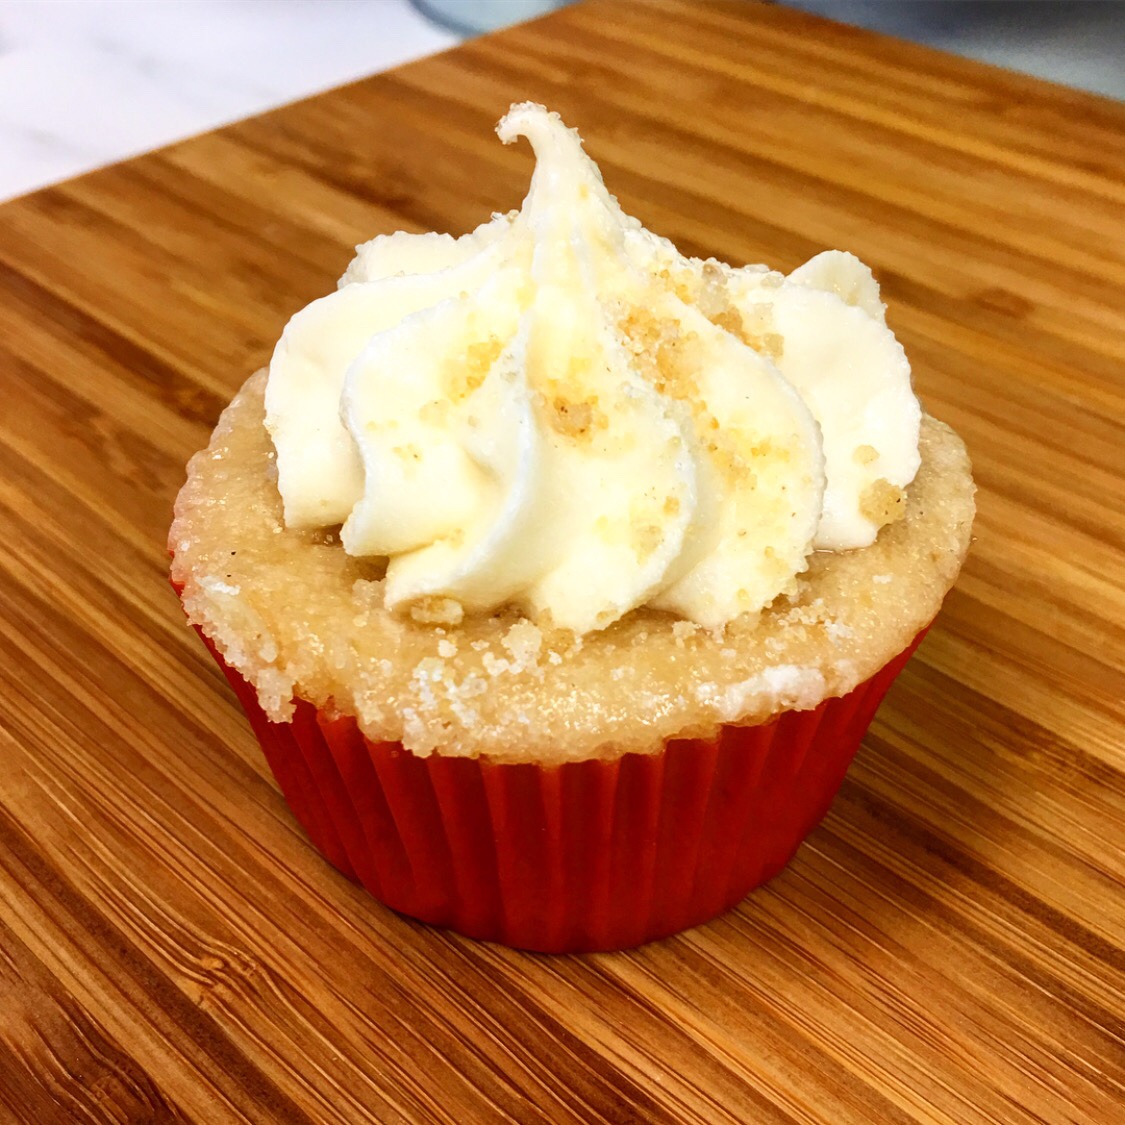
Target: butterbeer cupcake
(560,575)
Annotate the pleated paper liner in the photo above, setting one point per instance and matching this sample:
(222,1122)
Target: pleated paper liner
(592,855)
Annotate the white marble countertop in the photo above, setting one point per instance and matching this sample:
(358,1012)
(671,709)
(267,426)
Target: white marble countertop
(87,82)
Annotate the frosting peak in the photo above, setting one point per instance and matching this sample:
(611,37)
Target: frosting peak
(560,411)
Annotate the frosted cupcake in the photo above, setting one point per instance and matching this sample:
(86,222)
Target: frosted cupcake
(560,575)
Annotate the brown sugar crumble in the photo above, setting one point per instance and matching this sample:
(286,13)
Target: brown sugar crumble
(882,502)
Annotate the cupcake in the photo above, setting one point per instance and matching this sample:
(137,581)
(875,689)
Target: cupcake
(559,574)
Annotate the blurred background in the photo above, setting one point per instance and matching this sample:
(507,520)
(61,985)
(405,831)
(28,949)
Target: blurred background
(87,82)
(1076,42)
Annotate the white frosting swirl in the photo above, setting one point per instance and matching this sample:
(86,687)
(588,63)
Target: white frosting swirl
(560,411)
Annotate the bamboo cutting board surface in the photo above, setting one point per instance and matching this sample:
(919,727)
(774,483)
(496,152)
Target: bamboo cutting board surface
(949,946)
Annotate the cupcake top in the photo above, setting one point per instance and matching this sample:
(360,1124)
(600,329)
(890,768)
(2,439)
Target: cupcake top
(560,413)
(551,491)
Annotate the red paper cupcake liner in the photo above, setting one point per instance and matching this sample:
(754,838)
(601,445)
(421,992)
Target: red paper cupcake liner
(592,855)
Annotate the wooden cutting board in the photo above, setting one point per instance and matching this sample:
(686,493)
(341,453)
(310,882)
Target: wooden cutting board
(949,946)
